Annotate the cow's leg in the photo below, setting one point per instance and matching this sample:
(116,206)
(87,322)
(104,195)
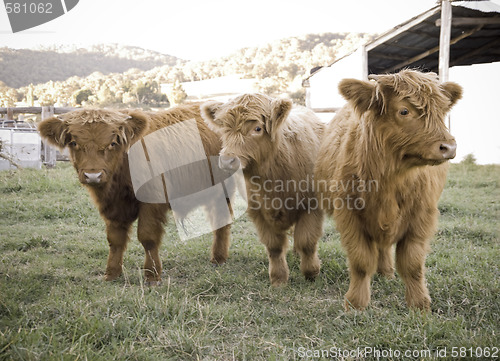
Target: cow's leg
(220,245)
(362,256)
(221,238)
(385,262)
(118,236)
(150,231)
(276,244)
(308,230)
(410,263)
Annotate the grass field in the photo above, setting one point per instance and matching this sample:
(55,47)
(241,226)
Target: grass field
(54,304)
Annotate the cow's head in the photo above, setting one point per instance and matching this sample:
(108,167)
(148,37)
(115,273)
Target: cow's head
(404,114)
(249,127)
(97,140)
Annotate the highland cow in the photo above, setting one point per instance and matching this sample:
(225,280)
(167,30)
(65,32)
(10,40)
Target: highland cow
(390,133)
(276,146)
(98,141)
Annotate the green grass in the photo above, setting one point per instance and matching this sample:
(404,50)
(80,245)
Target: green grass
(54,304)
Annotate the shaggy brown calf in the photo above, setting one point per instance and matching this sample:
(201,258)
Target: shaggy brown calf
(381,169)
(98,141)
(276,146)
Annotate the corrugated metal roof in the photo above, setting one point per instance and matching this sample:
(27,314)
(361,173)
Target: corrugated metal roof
(475,39)
(475,28)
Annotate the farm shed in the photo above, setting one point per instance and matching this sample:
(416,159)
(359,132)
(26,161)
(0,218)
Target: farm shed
(472,30)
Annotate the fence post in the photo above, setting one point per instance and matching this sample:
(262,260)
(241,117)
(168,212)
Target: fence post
(10,114)
(49,153)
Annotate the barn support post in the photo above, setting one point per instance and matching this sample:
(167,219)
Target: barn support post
(49,152)
(364,63)
(444,44)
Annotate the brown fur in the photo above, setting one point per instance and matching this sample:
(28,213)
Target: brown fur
(98,141)
(392,134)
(275,145)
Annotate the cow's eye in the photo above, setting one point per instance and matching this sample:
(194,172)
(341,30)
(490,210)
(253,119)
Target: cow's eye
(112,146)
(404,112)
(72,143)
(258,129)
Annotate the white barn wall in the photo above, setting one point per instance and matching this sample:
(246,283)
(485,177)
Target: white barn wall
(322,92)
(475,122)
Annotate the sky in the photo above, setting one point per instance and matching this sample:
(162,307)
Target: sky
(207,29)
(201,29)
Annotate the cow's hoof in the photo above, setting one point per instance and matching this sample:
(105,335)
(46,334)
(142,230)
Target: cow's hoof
(348,306)
(278,284)
(219,258)
(312,272)
(311,277)
(354,301)
(111,277)
(279,281)
(217,262)
(423,304)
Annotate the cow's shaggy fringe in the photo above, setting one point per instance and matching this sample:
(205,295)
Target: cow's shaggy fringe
(88,116)
(422,89)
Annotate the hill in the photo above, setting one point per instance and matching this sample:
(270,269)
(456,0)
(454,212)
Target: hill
(111,78)
(23,67)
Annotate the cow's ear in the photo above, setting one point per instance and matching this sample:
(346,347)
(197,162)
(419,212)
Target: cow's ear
(136,125)
(207,111)
(55,131)
(280,108)
(453,91)
(359,93)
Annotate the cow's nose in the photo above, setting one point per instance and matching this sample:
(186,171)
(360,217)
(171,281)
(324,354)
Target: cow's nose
(228,162)
(448,149)
(93,177)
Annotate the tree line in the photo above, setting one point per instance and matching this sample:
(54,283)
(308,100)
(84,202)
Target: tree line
(278,66)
